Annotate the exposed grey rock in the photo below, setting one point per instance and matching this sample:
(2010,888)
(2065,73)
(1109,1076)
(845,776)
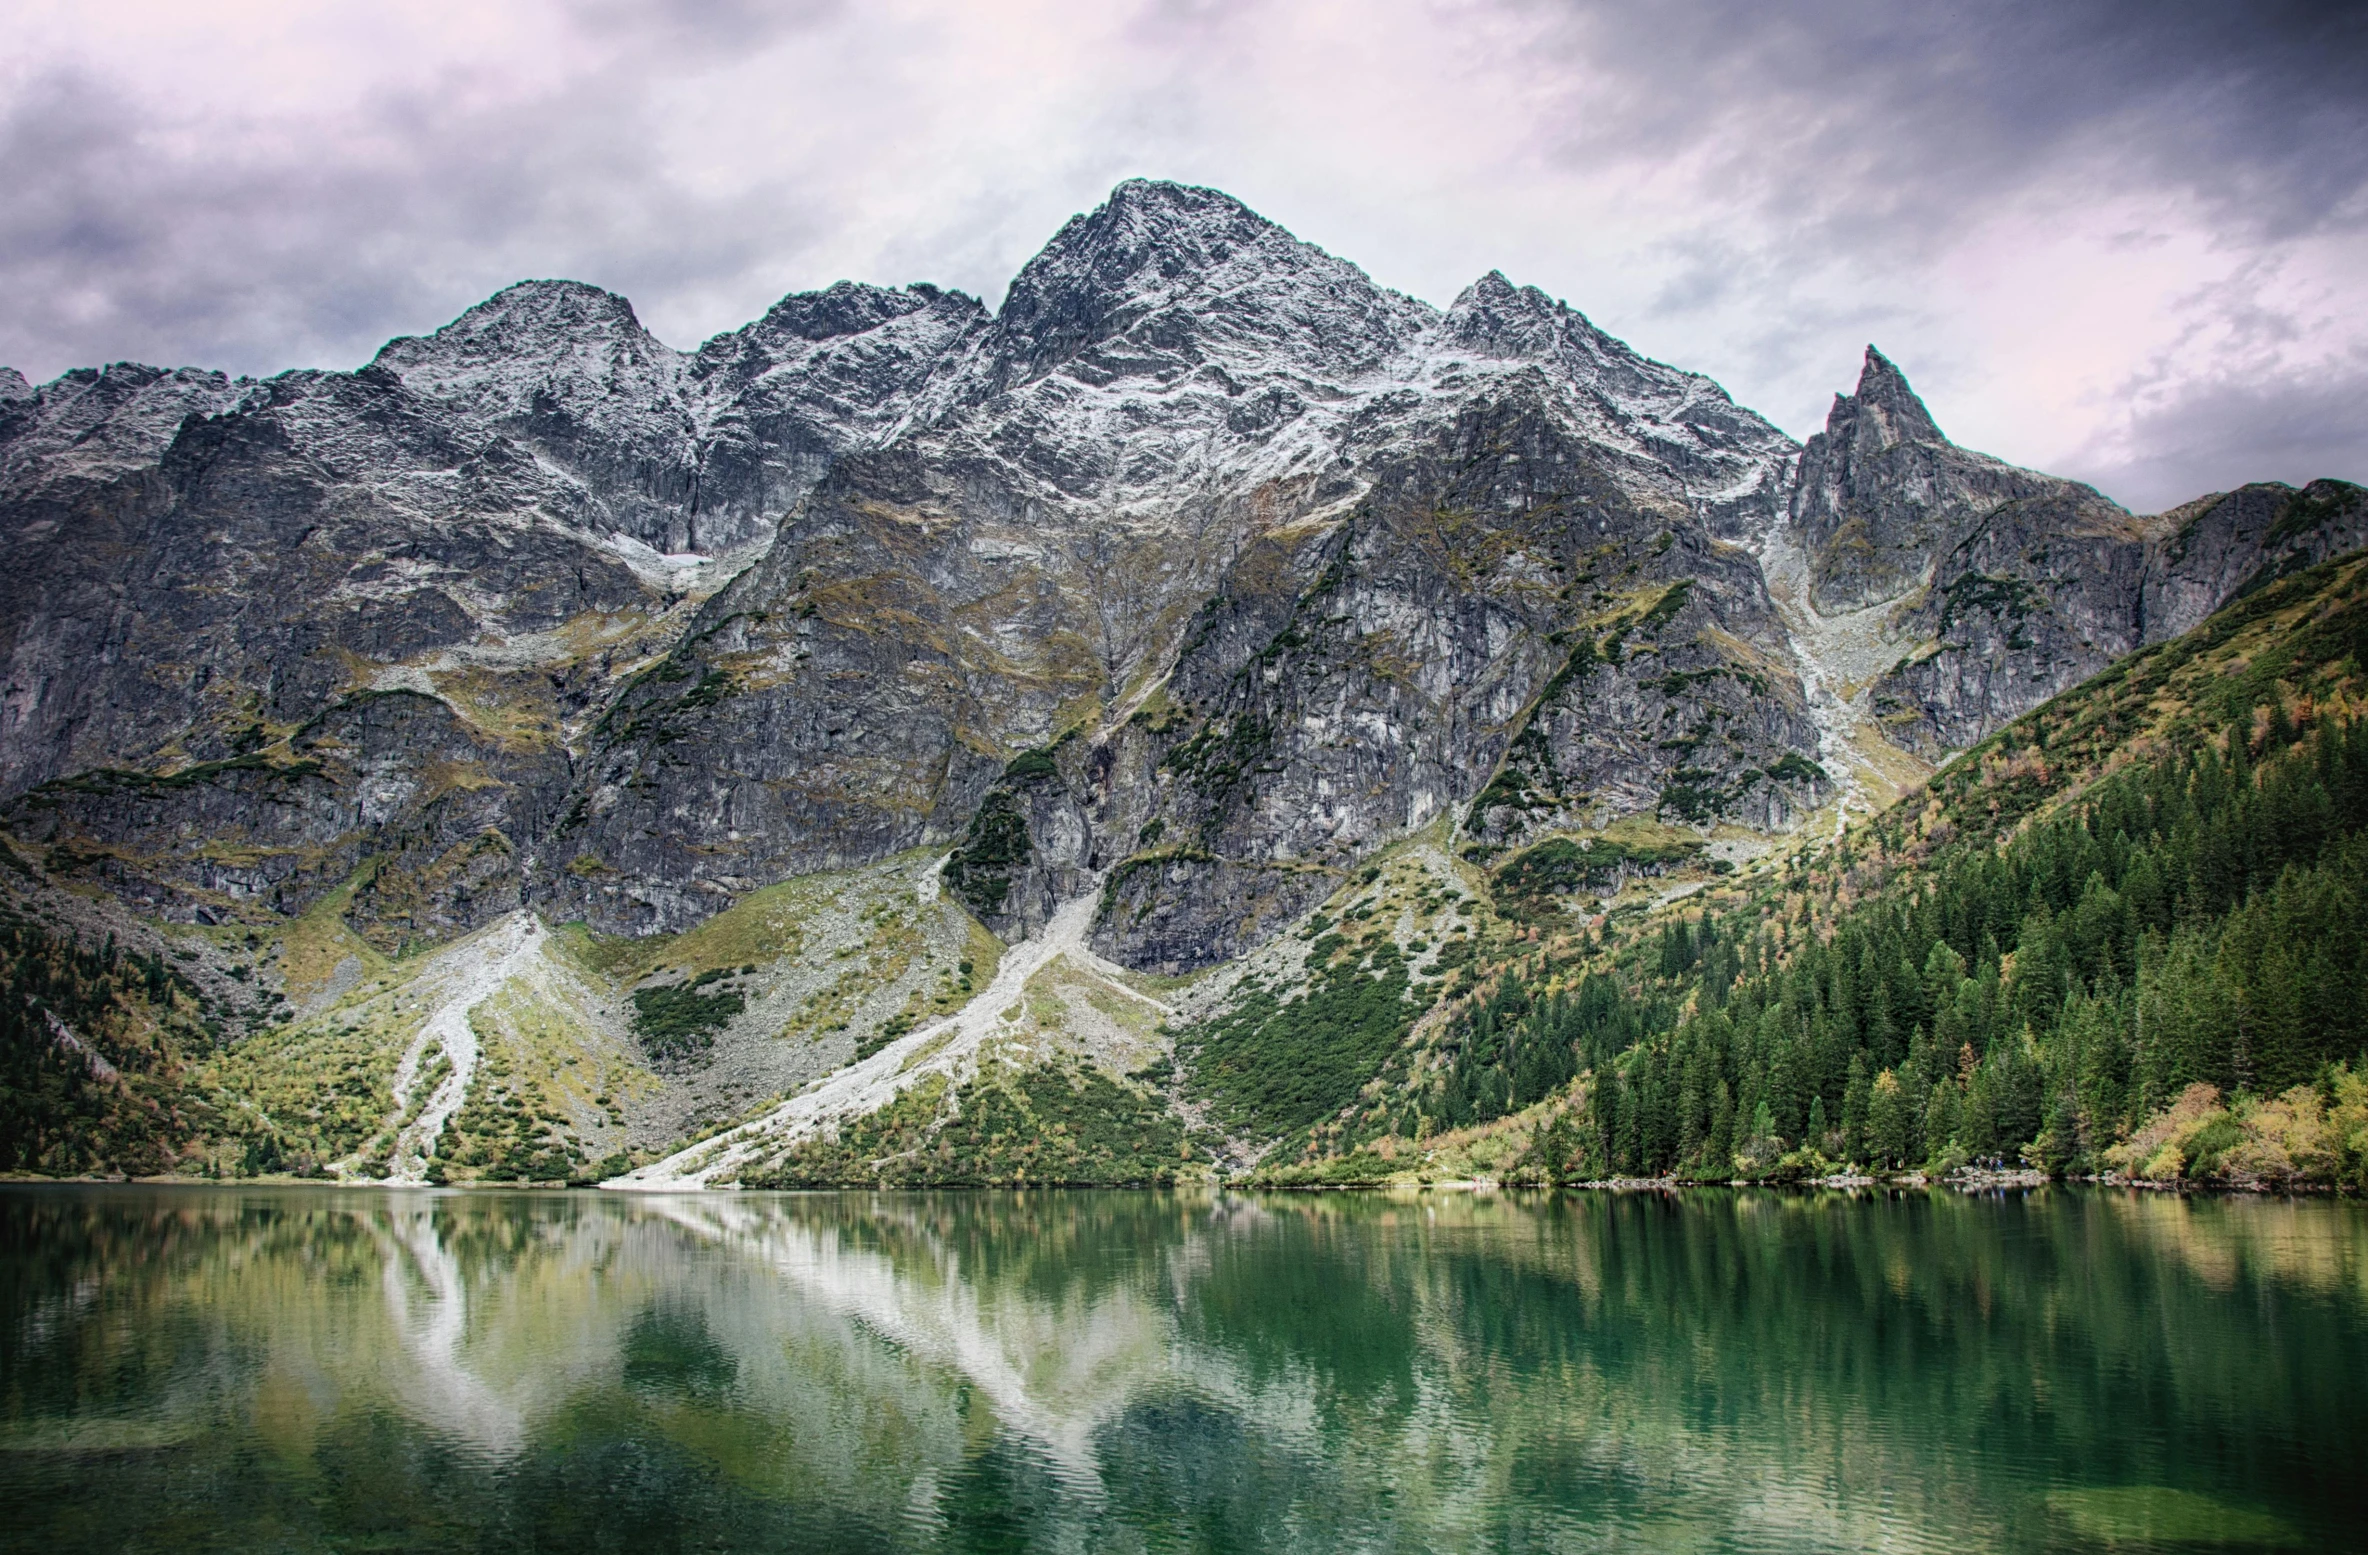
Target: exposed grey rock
(1666,432)
(2013,586)
(1205,562)
(1352,683)
(1176,394)
(1883,497)
(820,375)
(1177,911)
(2028,607)
(392,780)
(2214,549)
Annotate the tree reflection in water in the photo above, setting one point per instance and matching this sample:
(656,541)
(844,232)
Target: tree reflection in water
(1111,1371)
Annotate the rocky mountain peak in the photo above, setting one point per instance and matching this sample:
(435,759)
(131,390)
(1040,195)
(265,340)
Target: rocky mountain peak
(537,344)
(1205,582)
(1498,318)
(99,423)
(1152,223)
(1675,435)
(1168,276)
(521,316)
(1888,505)
(846,308)
(1885,412)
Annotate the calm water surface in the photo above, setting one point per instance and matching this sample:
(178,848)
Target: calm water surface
(192,1369)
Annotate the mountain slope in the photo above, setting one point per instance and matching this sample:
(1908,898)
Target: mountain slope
(2148,885)
(2005,586)
(1164,603)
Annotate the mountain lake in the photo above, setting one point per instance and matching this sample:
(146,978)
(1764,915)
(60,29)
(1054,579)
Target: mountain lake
(269,1369)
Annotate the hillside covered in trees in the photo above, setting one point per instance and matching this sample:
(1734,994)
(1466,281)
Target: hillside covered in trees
(2125,934)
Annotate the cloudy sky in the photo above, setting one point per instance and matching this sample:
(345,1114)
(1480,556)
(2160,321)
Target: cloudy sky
(2123,240)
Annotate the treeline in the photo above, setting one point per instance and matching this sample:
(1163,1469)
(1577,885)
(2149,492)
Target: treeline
(2193,920)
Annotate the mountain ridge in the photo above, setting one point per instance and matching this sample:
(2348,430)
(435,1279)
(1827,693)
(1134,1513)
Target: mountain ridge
(1197,576)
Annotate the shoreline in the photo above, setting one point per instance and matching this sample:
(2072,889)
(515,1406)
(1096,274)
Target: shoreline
(1842,1182)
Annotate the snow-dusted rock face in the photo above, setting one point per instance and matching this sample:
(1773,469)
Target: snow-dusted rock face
(1183,421)
(1205,565)
(1674,435)
(697,452)
(820,375)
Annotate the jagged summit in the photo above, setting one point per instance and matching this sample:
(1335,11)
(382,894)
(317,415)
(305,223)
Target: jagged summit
(1162,209)
(541,346)
(100,424)
(682,624)
(13,385)
(1884,407)
(1495,316)
(2010,584)
(517,318)
(1178,275)
(1145,224)
(845,308)
(1882,495)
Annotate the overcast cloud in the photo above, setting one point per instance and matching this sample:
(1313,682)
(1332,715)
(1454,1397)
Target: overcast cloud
(2126,241)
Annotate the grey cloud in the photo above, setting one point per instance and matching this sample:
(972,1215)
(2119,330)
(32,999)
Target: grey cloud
(389,221)
(695,29)
(2190,439)
(2226,402)
(1888,122)
(1777,323)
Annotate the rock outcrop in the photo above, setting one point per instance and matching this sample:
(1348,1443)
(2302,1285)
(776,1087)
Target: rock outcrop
(1201,569)
(2007,586)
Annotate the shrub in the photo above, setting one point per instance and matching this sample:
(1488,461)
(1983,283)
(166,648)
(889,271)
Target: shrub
(677,1021)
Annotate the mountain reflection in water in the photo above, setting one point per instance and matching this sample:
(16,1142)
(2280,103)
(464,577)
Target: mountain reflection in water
(188,1368)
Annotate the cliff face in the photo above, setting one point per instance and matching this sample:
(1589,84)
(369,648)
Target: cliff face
(2006,586)
(1883,498)
(1182,429)
(1196,573)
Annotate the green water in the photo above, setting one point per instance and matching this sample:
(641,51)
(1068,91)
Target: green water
(190,1369)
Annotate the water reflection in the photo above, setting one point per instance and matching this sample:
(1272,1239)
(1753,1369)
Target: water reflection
(324,1369)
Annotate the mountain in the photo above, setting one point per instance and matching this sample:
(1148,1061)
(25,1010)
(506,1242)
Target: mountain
(2012,586)
(2122,934)
(750,711)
